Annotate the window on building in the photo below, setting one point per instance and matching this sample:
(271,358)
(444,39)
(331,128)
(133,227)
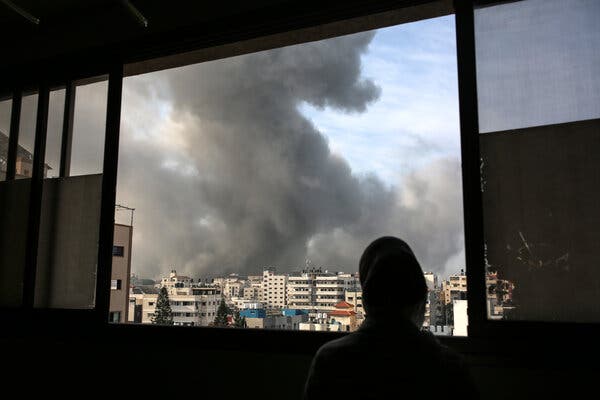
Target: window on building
(115,284)
(115,316)
(118,251)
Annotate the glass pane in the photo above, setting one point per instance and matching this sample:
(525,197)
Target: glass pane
(68,243)
(539,104)
(89,123)
(14,212)
(5,110)
(24,163)
(264,176)
(537,63)
(54,133)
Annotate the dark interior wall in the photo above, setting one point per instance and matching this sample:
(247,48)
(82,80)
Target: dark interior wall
(52,366)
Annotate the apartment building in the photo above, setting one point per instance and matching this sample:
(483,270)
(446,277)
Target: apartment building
(191,306)
(175,281)
(454,288)
(354,297)
(434,308)
(315,289)
(252,290)
(339,318)
(274,288)
(281,321)
(499,296)
(24,160)
(431,279)
(461,319)
(120,274)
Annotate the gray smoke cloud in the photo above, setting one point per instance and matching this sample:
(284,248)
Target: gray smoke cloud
(237,178)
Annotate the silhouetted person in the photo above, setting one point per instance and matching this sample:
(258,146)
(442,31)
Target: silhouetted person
(389,357)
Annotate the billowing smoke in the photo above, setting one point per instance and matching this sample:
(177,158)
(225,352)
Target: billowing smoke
(227,175)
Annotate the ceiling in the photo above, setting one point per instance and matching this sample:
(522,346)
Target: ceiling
(83,37)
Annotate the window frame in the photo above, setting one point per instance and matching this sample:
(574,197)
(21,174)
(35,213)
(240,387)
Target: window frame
(229,41)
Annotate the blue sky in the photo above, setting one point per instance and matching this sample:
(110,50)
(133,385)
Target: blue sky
(416,118)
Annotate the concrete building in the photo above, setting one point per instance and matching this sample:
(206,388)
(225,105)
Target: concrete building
(345,315)
(499,296)
(340,318)
(455,288)
(24,160)
(274,288)
(135,310)
(231,286)
(191,306)
(461,321)
(431,279)
(284,320)
(434,309)
(315,289)
(354,297)
(440,330)
(121,272)
(175,281)
(253,292)
(245,304)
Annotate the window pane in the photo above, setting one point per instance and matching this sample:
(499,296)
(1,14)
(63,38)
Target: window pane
(537,63)
(539,104)
(5,110)
(14,212)
(68,243)
(89,125)
(264,176)
(24,163)
(54,133)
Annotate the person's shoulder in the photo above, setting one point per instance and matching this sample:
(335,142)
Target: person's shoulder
(340,346)
(340,343)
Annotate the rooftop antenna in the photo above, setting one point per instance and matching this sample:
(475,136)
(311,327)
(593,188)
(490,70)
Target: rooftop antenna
(21,12)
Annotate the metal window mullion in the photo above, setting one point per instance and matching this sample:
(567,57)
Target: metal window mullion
(13,136)
(109,189)
(35,197)
(67,132)
(469,130)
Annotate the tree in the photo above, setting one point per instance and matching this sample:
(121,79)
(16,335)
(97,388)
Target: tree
(239,321)
(163,315)
(222,313)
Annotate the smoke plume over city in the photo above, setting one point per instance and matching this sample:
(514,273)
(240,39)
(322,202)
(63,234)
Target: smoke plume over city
(227,175)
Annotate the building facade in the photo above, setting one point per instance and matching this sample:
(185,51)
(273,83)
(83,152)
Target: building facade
(191,304)
(455,288)
(274,288)
(120,274)
(315,289)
